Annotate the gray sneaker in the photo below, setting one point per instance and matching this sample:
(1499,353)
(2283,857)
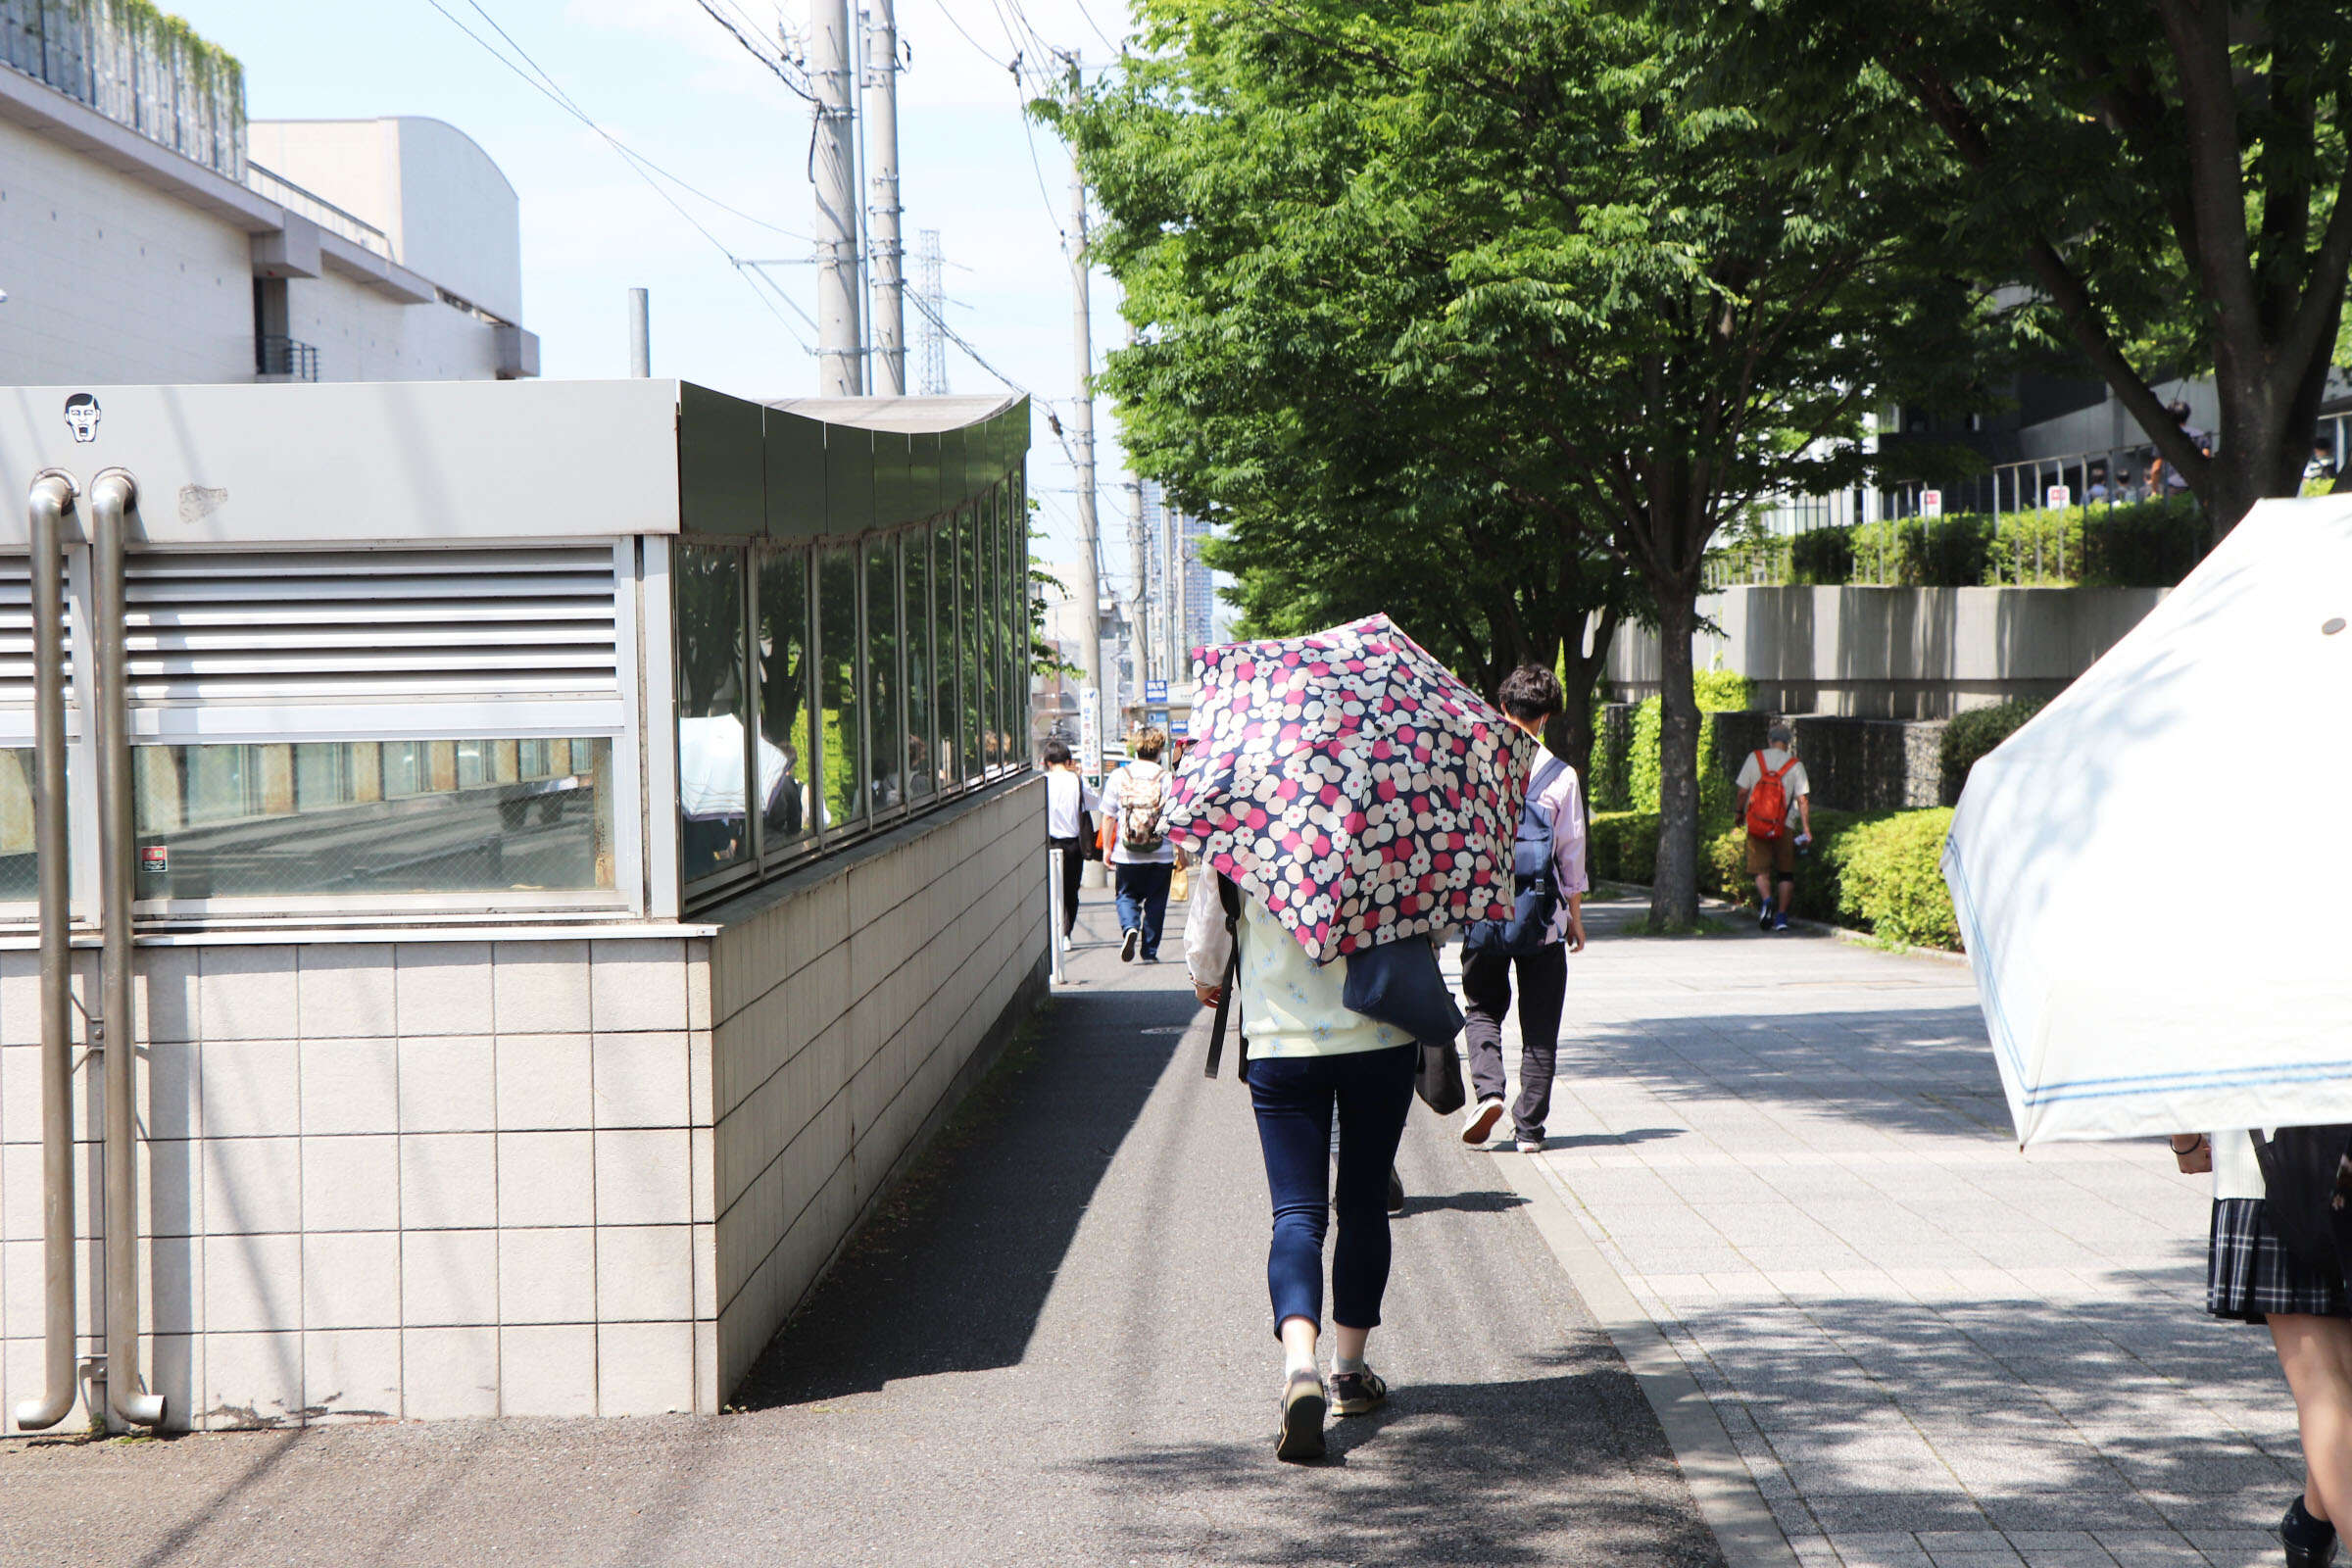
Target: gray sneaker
(1357,1393)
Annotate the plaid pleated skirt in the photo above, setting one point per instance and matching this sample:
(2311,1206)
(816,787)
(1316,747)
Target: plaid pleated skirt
(2249,1273)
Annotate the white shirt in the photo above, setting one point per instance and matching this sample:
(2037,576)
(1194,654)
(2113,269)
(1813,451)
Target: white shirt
(1792,783)
(1289,1005)
(1114,792)
(711,768)
(2236,1173)
(1067,794)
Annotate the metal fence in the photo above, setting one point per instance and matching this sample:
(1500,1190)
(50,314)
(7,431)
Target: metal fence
(138,67)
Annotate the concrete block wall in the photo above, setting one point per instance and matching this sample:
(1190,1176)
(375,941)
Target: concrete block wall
(1895,653)
(853,1006)
(1872,765)
(403,1179)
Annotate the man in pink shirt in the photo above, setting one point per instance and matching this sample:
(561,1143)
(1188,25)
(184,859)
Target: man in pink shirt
(1530,698)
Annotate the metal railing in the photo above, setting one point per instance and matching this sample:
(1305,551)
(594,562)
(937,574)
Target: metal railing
(317,208)
(289,358)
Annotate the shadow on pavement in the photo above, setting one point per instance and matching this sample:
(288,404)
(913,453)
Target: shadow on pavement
(1529,1471)
(997,1197)
(1472,1202)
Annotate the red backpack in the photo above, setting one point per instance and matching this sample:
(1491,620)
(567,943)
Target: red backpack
(1767,802)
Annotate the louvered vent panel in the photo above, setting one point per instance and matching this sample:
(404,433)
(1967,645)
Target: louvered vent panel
(366,625)
(15,635)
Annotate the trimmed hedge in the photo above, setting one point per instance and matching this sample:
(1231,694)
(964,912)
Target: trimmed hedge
(1718,691)
(1623,847)
(1969,735)
(2138,544)
(1880,873)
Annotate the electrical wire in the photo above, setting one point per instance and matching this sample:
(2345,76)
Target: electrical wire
(775,67)
(547,86)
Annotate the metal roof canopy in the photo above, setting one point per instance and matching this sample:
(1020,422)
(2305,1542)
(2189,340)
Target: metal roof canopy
(448,461)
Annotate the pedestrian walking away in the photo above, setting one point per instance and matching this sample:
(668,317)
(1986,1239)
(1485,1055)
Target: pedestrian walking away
(1549,924)
(1775,802)
(1142,859)
(1333,772)
(2252,1276)
(1308,1061)
(1069,801)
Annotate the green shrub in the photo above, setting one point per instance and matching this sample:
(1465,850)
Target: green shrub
(2140,544)
(1622,847)
(1970,735)
(1890,875)
(1718,691)
(1923,552)
(1605,787)
(1823,556)
(1880,873)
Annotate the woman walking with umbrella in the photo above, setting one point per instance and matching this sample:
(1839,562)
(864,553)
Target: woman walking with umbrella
(1346,793)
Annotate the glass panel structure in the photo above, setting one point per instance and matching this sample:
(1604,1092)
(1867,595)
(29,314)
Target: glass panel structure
(316,818)
(19,859)
(713,696)
(922,763)
(972,764)
(992,679)
(787,822)
(885,723)
(838,680)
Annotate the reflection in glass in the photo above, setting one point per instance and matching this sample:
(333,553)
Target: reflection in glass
(1012,706)
(984,628)
(967,645)
(713,696)
(316,817)
(837,685)
(886,785)
(784,674)
(923,776)
(19,861)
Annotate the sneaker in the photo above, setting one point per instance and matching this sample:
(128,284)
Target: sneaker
(1396,1192)
(1480,1123)
(1303,1403)
(1128,945)
(1780,923)
(1764,920)
(1531,1146)
(1357,1393)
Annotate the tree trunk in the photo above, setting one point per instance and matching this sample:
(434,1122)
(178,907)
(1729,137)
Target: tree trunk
(1674,890)
(1570,736)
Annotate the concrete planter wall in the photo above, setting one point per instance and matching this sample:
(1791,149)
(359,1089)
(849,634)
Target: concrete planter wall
(1895,653)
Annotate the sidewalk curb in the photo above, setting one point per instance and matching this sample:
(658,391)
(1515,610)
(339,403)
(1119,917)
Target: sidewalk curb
(1720,1482)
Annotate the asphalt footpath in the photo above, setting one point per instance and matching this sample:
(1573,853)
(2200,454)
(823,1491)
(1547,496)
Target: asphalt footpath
(1049,1346)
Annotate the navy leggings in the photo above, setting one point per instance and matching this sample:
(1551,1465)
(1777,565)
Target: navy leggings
(1295,1098)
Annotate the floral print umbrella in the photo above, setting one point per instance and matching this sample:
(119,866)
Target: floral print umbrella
(1354,784)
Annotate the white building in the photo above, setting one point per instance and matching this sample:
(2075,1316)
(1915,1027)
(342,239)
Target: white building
(149,234)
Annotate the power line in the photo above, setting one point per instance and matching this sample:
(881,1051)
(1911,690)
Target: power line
(547,86)
(775,67)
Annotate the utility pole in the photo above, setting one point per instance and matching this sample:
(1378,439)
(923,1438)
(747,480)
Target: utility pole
(840,367)
(641,334)
(1139,567)
(1171,590)
(1082,437)
(889,375)
(930,342)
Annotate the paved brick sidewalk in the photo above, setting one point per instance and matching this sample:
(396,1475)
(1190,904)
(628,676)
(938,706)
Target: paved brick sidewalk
(1929,1348)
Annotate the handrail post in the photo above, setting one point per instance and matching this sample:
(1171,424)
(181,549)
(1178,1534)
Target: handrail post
(111,495)
(52,495)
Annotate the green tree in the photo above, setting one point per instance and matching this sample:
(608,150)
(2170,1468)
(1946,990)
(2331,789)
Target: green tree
(2169,177)
(1278,261)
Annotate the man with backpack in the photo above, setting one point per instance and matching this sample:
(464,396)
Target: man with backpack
(1547,925)
(1774,799)
(1142,859)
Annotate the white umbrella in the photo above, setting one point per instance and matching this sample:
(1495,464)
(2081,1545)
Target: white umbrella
(2151,875)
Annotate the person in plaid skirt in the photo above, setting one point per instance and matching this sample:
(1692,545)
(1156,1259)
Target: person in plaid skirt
(2250,1277)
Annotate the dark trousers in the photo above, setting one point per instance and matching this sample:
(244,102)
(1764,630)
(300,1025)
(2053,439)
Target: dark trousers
(1073,865)
(1295,1098)
(1143,892)
(1487,1001)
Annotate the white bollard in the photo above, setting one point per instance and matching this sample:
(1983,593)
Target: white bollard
(1053,884)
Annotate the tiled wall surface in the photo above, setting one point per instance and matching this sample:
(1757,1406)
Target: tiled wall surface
(432,1179)
(848,1016)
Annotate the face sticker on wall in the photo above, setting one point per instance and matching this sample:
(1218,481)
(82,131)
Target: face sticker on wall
(81,415)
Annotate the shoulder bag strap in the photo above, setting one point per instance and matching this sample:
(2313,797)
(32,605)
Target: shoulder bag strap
(1229,894)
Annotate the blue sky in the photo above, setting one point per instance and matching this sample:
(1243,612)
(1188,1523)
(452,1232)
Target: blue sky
(664,78)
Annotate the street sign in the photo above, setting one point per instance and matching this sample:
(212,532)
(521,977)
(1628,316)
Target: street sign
(2058,496)
(1090,731)
(1931,503)
(1156,718)
(1155,690)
